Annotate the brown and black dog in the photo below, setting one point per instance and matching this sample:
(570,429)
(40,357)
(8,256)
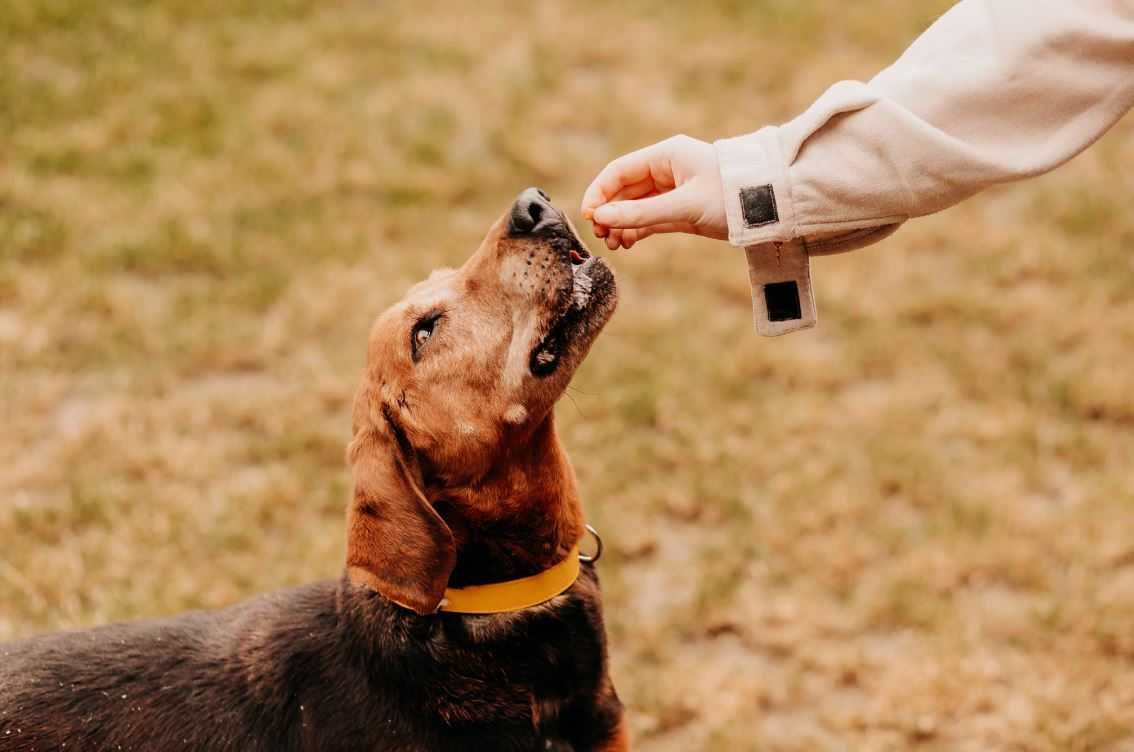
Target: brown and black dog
(459,480)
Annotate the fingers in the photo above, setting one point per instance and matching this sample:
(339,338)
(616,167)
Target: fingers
(627,238)
(646,163)
(672,206)
(637,190)
(630,237)
(641,189)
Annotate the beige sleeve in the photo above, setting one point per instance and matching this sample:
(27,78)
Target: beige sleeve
(994,91)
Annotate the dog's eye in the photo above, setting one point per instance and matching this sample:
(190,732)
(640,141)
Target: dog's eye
(422,331)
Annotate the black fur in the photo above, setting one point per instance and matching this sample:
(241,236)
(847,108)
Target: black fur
(326,667)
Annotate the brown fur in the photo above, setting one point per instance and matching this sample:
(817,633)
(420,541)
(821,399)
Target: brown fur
(459,478)
(444,415)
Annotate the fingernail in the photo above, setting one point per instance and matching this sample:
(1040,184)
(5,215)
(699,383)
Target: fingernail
(604,215)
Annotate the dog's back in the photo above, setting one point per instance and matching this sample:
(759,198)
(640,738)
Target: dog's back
(322,667)
(193,682)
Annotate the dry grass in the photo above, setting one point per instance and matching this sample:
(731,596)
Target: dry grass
(910,529)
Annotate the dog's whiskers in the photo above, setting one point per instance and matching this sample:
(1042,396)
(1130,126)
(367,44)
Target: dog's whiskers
(573,402)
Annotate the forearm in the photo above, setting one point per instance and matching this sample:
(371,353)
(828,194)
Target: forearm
(995,91)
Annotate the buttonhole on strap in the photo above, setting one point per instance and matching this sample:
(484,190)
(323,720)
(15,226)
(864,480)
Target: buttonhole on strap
(782,299)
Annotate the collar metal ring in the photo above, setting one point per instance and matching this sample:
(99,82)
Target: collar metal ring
(592,558)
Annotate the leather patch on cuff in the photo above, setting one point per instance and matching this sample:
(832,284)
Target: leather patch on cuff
(758,205)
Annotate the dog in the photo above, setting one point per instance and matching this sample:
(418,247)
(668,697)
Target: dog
(460,485)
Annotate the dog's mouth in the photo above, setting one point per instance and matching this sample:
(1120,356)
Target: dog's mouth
(586,308)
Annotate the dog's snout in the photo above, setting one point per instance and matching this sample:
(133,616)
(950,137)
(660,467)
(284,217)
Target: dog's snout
(532,212)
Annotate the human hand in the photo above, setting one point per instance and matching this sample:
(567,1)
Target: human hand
(672,186)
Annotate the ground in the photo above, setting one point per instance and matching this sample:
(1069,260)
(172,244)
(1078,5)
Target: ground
(909,529)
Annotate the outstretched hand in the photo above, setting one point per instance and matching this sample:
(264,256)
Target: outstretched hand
(671,186)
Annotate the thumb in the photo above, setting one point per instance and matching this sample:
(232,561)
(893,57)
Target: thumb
(675,206)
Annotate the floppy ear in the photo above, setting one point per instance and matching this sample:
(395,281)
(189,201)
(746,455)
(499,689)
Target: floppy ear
(397,544)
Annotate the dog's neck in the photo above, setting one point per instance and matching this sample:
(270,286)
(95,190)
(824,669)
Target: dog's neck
(523,518)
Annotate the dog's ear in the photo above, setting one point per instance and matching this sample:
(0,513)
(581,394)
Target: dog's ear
(397,544)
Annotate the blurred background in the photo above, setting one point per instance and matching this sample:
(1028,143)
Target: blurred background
(912,528)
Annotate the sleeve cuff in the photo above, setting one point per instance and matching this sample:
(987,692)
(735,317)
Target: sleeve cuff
(757,195)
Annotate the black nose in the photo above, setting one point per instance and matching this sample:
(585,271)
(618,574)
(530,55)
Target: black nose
(532,212)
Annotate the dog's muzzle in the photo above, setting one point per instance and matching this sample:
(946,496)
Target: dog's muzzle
(533,212)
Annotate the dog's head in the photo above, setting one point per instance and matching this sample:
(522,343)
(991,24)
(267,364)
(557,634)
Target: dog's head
(455,404)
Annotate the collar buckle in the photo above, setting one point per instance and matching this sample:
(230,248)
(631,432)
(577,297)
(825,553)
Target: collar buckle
(592,558)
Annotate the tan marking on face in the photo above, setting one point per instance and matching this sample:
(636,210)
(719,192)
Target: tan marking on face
(515,271)
(516,414)
(524,326)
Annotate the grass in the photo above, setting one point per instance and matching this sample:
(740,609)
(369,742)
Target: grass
(908,529)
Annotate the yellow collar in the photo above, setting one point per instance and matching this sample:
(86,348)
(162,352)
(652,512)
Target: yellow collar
(514,595)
